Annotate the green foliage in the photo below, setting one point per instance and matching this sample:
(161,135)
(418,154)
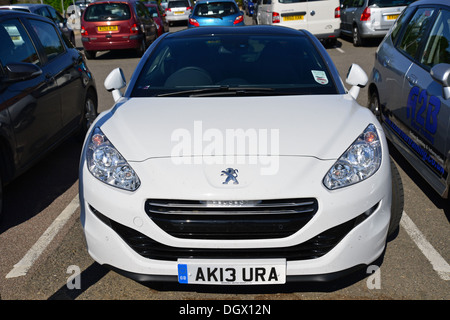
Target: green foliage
(57,4)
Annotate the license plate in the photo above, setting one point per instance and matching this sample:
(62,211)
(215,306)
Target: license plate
(107,28)
(226,272)
(178,12)
(293,18)
(392,16)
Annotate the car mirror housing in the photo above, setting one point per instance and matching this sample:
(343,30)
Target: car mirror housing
(21,71)
(441,74)
(114,82)
(357,78)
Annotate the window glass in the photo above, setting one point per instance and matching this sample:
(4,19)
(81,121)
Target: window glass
(437,49)
(49,38)
(291,1)
(276,64)
(55,15)
(215,9)
(16,44)
(44,12)
(415,31)
(404,18)
(107,12)
(178,4)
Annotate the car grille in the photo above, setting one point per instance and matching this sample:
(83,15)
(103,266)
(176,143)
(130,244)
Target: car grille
(237,220)
(310,249)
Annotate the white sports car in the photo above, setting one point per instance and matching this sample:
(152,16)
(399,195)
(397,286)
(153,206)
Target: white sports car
(237,156)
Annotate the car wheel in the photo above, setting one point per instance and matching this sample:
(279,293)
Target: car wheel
(72,39)
(90,54)
(357,40)
(1,196)
(89,113)
(397,200)
(374,105)
(142,47)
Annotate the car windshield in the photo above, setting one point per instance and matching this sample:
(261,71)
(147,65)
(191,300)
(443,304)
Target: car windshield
(107,12)
(390,3)
(234,64)
(215,9)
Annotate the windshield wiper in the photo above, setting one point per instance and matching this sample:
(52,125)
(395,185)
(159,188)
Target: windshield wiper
(218,91)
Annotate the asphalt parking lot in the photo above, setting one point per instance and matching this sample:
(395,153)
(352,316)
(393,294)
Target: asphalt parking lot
(44,254)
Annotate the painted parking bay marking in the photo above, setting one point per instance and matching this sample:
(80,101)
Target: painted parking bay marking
(22,267)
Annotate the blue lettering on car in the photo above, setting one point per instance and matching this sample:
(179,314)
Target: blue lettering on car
(423,111)
(422,153)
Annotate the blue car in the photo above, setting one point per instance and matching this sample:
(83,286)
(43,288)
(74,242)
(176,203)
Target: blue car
(249,7)
(216,13)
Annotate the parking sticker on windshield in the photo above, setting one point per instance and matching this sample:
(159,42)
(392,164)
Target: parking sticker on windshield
(320,76)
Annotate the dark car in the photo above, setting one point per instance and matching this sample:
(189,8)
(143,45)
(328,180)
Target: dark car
(117,25)
(47,11)
(410,89)
(47,93)
(159,16)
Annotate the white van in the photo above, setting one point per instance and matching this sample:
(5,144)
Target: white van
(320,17)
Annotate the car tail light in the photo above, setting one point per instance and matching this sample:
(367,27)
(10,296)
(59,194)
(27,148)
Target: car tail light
(134,29)
(83,31)
(337,12)
(238,19)
(275,17)
(365,16)
(188,8)
(168,9)
(194,22)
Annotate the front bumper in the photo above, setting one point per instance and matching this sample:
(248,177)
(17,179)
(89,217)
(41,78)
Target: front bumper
(112,218)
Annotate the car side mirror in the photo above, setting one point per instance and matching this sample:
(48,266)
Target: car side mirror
(20,71)
(441,74)
(357,78)
(114,82)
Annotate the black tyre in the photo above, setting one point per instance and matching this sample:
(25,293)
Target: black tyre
(374,105)
(90,54)
(1,195)
(356,37)
(397,200)
(90,112)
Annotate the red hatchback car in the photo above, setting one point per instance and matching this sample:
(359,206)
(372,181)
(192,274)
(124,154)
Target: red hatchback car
(114,25)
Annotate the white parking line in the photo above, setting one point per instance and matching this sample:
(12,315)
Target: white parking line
(22,267)
(439,264)
(340,50)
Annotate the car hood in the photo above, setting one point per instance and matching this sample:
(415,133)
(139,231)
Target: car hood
(316,126)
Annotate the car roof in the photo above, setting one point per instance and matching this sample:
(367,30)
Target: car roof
(212,1)
(26,5)
(13,13)
(433,2)
(112,1)
(253,29)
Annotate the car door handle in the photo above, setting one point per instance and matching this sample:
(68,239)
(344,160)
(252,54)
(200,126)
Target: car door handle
(412,79)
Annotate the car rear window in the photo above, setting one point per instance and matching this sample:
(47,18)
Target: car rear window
(178,4)
(107,12)
(275,64)
(215,9)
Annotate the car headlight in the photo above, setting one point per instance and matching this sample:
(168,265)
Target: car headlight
(108,165)
(361,160)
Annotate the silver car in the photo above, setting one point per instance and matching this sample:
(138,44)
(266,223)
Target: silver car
(362,19)
(410,89)
(178,10)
